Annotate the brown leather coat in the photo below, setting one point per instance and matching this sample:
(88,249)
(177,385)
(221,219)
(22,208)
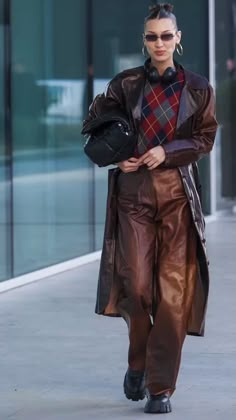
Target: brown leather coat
(194,137)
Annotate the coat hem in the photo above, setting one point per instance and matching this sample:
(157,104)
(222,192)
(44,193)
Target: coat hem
(117,315)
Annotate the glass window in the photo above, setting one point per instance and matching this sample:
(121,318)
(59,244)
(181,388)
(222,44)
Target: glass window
(52,177)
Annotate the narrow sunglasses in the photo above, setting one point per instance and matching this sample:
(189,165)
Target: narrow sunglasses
(154,37)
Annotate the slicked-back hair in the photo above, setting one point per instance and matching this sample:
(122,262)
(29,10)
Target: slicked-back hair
(161,11)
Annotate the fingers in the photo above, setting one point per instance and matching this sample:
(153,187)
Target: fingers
(131,162)
(133,159)
(152,162)
(131,168)
(127,166)
(142,158)
(153,157)
(126,171)
(148,160)
(157,153)
(153,166)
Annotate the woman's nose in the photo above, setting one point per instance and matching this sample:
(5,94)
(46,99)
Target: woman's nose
(159,42)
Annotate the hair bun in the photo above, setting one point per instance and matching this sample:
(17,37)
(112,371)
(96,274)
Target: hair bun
(168,7)
(156,8)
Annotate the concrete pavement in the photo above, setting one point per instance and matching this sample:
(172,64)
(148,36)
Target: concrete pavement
(60,361)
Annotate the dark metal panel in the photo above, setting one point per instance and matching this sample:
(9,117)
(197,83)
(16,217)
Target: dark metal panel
(8,133)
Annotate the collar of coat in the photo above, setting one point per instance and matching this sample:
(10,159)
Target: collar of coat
(133,82)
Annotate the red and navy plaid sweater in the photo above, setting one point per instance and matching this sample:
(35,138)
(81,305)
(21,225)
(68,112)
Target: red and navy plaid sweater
(159,113)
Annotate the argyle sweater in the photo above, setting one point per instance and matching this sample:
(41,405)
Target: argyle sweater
(159,113)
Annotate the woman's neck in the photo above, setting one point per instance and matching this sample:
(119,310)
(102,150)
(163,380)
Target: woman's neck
(161,67)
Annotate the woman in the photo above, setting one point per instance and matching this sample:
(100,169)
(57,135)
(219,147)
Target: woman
(154,270)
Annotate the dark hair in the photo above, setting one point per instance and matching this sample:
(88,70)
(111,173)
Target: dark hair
(161,11)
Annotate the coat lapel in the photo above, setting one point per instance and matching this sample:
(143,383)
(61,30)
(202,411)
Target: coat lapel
(187,106)
(134,95)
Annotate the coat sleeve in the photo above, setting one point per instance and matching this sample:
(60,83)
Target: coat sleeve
(181,152)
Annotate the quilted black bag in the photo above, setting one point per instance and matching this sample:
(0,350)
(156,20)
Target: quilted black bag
(110,139)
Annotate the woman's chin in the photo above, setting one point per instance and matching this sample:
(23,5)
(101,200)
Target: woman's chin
(160,59)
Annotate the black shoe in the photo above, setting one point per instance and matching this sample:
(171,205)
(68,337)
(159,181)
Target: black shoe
(134,385)
(158,404)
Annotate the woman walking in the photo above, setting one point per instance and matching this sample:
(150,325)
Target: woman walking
(154,269)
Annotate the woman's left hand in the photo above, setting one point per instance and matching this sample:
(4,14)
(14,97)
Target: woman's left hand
(153,157)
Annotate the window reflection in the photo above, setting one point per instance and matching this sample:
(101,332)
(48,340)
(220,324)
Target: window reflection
(52,176)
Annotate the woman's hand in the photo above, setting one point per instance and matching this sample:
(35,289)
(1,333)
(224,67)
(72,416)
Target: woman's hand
(153,157)
(130,165)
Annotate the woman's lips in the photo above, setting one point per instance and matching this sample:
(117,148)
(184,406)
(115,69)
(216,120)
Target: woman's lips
(159,52)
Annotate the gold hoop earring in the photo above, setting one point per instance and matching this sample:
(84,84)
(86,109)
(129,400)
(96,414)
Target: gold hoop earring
(144,52)
(179,49)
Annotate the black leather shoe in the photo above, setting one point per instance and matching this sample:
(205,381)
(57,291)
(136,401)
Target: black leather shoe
(134,385)
(158,404)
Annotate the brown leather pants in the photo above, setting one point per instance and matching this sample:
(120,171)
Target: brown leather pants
(156,269)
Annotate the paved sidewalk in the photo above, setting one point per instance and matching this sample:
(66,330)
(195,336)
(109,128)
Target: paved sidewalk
(60,361)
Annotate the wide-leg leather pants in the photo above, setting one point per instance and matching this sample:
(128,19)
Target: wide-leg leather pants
(155,266)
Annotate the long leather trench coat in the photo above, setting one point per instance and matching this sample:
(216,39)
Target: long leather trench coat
(194,137)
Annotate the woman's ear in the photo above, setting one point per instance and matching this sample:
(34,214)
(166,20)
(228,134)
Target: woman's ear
(179,35)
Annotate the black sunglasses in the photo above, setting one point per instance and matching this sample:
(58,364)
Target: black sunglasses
(154,37)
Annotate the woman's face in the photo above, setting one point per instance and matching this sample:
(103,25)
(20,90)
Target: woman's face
(161,50)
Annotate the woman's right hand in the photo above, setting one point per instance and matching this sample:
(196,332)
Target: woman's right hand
(129,165)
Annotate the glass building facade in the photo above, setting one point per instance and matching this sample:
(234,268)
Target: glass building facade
(55,56)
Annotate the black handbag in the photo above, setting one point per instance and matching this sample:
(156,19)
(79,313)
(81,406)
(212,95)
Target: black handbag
(110,139)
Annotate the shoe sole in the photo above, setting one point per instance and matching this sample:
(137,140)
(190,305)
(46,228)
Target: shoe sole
(162,409)
(134,396)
